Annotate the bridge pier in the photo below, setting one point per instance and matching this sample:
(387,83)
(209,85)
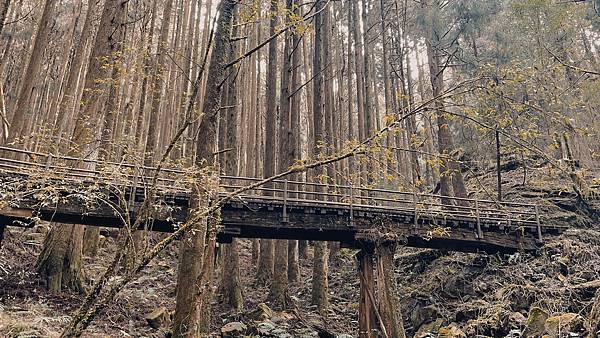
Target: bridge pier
(367,324)
(379,313)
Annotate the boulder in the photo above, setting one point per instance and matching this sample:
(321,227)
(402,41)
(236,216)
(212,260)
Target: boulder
(158,317)
(451,331)
(233,330)
(421,315)
(516,319)
(265,328)
(566,322)
(426,330)
(262,312)
(535,324)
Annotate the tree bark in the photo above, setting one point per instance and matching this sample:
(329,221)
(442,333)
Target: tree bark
(157,87)
(320,264)
(367,324)
(67,105)
(231,284)
(386,288)
(190,295)
(60,260)
(23,111)
(265,262)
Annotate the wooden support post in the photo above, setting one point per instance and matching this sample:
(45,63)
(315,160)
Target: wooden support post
(538,223)
(2,226)
(498,170)
(285,195)
(351,206)
(48,161)
(389,310)
(478,216)
(367,327)
(416,212)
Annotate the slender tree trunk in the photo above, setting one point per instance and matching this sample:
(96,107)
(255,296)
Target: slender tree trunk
(60,260)
(451,178)
(265,262)
(231,284)
(3,11)
(68,106)
(91,238)
(320,265)
(158,80)
(28,90)
(294,152)
(191,299)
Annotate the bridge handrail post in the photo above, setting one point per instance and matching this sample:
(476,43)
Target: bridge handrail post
(538,223)
(478,218)
(351,205)
(415,210)
(133,191)
(285,193)
(48,161)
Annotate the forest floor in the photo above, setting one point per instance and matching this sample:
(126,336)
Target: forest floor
(442,293)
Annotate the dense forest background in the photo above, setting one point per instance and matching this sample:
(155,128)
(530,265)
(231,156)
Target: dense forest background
(436,96)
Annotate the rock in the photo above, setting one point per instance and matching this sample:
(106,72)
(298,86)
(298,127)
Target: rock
(567,322)
(426,330)
(421,315)
(28,334)
(265,328)
(35,236)
(535,325)
(305,333)
(516,319)
(514,334)
(158,317)
(233,329)
(451,331)
(280,333)
(262,312)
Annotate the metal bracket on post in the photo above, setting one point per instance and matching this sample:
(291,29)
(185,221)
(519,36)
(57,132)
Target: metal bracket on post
(478,217)
(538,223)
(285,193)
(351,206)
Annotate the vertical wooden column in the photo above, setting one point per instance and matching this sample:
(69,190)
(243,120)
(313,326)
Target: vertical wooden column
(2,226)
(389,309)
(366,310)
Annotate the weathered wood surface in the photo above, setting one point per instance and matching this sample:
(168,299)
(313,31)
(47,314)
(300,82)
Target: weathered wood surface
(282,210)
(252,219)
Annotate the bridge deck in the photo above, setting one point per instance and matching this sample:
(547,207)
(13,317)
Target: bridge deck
(281,210)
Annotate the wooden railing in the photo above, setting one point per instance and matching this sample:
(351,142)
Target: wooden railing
(290,194)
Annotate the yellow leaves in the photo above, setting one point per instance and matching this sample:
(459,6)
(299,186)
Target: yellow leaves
(389,119)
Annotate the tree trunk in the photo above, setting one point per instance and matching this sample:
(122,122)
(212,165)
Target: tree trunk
(231,285)
(3,11)
(189,295)
(265,262)
(367,324)
(386,288)
(23,111)
(157,87)
(67,103)
(320,265)
(451,177)
(60,260)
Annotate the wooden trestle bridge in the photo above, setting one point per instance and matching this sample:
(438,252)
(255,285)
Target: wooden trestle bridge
(280,210)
